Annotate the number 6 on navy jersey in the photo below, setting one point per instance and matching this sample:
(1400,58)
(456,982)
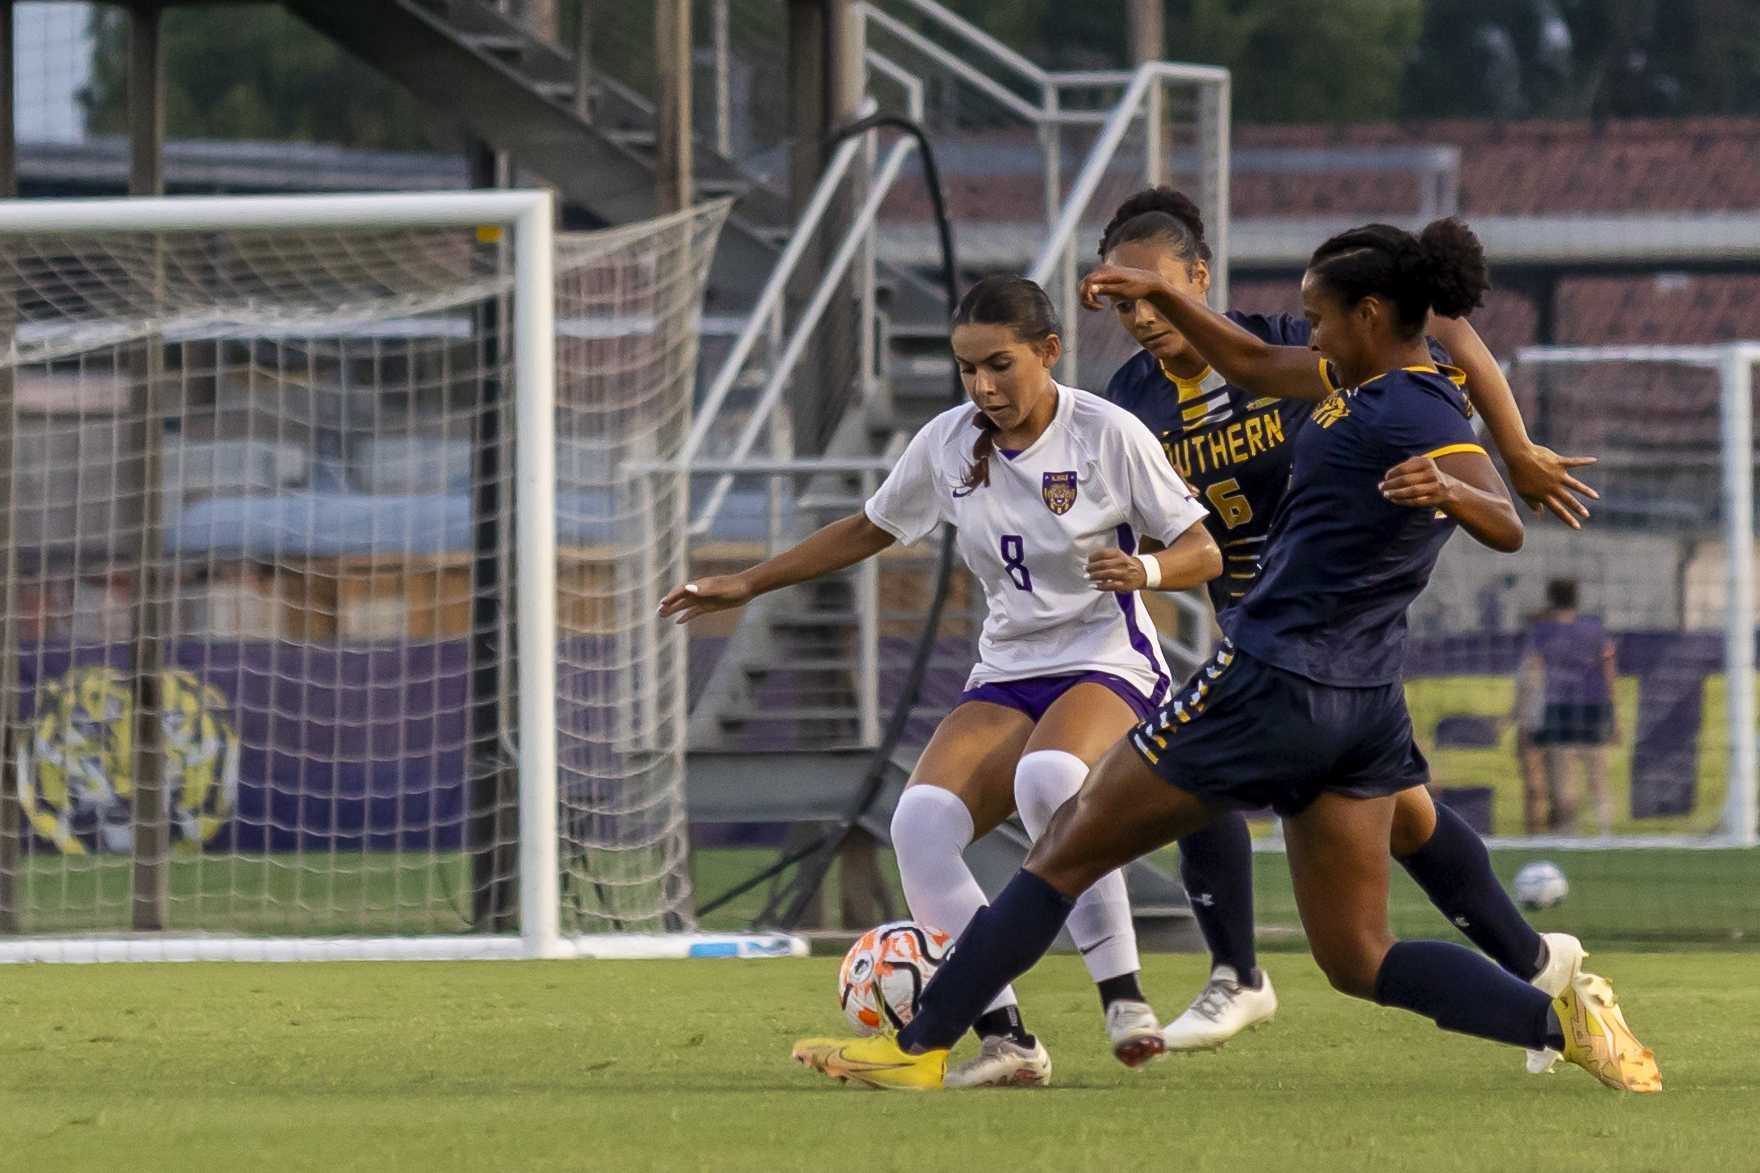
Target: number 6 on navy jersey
(1014,552)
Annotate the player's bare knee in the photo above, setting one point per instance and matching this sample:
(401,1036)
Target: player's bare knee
(1413,824)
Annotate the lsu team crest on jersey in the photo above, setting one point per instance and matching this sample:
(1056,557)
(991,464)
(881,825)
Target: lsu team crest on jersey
(1059,491)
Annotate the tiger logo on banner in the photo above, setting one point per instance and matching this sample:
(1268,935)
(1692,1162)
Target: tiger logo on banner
(75,783)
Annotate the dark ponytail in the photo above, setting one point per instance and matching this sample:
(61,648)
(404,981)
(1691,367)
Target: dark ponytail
(1019,304)
(1163,215)
(1441,269)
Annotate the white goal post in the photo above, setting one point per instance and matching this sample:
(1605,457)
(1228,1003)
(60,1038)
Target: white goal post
(311,537)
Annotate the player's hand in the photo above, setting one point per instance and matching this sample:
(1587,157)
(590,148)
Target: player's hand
(1116,571)
(1121,283)
(1418,483)
(1542,478)
(700,596)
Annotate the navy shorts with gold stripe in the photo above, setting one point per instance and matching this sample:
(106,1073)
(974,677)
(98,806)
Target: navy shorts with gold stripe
(1245,734)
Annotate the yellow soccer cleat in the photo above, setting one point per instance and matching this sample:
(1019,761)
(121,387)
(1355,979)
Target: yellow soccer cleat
(1597,1039)
(873,1062)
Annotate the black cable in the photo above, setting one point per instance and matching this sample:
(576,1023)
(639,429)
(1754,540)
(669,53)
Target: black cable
(817,862)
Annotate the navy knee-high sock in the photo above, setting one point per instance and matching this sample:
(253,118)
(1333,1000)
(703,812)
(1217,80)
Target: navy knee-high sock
(1216,866)
(1459,990)
(1454,870)
(1001,943)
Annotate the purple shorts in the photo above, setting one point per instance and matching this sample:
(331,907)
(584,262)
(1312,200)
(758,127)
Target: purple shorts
(1036,694)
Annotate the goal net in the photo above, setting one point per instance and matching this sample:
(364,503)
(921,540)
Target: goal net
(1590,700)
(321,577)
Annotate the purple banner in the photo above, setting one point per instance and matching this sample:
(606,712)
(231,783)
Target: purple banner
(269,747)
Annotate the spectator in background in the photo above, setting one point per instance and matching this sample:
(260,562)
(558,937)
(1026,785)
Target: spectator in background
(1574,658)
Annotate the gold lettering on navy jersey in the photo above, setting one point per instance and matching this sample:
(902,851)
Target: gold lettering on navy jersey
(1234,444)
(1330,410)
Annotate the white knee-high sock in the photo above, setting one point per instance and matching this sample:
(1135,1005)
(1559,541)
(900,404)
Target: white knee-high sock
(931,829)
(1100,923)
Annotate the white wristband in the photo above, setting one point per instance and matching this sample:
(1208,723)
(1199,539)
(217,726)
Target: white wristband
(1151,571)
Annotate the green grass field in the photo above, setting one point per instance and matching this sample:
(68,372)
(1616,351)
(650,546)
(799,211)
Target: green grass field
(683,1065)
(1627,898)
(1630,897)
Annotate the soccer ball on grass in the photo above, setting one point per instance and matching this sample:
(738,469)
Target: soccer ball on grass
(884,973)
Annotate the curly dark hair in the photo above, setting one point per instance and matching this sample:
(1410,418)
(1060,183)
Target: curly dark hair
(1442,269)
(1163,215)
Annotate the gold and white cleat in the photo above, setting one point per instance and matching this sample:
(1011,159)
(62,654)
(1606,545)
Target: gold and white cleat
(876,1062)
(1597,1039)
(1564,961)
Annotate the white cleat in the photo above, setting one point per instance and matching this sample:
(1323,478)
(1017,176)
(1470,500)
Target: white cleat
(1002,1062)
(1564,961)
(1135,1032)
(1223,1010)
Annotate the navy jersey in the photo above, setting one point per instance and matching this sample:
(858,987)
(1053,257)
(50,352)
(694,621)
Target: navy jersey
(1231,446)
(1344,563)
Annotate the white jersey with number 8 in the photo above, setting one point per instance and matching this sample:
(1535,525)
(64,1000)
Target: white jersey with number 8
(1095,479)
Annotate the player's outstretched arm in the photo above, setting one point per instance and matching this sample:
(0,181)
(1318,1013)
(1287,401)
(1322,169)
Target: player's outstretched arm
(1463,485)
(1192,560)
(1244,359)
(1542,478)
(842,543)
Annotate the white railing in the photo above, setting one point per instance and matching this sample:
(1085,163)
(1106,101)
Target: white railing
(766,321)
(1057,262)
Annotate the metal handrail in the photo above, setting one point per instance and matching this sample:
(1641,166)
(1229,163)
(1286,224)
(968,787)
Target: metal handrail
(977,37)
(803,328)
(770,300)
(1091,78)
(975,78)
(1106,145)
(910,82)
(802,465)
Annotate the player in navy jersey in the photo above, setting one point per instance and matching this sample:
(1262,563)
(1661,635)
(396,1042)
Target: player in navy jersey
(1233,444)
(1302,709)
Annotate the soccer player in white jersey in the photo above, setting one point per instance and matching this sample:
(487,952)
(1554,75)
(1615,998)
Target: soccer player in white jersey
(1053,491)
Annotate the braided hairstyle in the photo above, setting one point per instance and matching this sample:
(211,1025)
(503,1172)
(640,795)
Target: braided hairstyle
(1162,215)
(1019,304)
(1441,269)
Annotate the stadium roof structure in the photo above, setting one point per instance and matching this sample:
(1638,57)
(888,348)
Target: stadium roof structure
(100,166)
